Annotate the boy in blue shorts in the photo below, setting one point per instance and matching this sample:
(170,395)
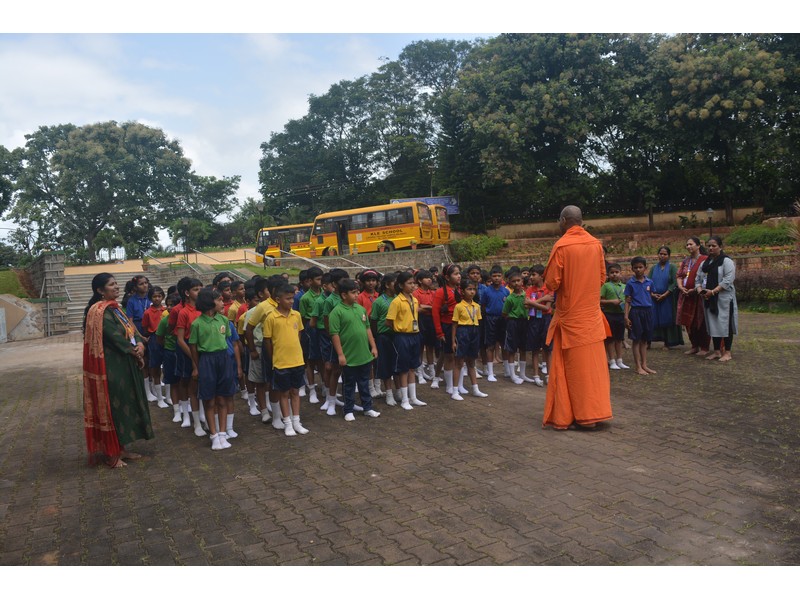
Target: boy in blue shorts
(537,300)
(309,340)
(355,348)
(612,303)
(492,298)
(516,326)
(639,313)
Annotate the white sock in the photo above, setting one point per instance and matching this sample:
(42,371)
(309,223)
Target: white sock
(412,391)
(230,422)
(196,418)
(448,381)
(522,366)
(490,369)
(461,379)
(403,395)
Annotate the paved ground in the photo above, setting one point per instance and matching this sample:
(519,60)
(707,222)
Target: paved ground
(699,466)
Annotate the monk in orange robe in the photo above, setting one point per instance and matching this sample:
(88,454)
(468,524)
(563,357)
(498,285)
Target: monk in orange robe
(579,388)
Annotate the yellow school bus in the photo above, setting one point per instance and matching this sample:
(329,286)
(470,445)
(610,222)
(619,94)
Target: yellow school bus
(441,224)
(289,238)
(395,226)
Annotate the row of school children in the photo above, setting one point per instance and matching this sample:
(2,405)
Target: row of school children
(272,341)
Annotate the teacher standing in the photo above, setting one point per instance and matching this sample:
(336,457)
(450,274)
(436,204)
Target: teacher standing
(579,388)
(115,410)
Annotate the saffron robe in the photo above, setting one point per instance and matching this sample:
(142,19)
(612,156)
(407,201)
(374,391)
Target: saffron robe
(579,387)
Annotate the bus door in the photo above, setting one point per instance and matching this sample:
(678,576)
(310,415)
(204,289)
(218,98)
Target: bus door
(342,236)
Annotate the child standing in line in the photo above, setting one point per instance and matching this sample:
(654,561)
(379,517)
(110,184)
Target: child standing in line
(251,301)
(355,348)
(150,321)
(331,360)
(612,300)
(210,364)
(538,300)
(467,338)
(238,294)
(493,296)
(167,341)
(384,338)
(639,313)
(137,303)
(309,339)
(224,288)
(368,295)
(516,326)
(474,274)
(183,355)
(403,318)
(323,347)
(282,329)
(424,295)
(444,303)
(235,365)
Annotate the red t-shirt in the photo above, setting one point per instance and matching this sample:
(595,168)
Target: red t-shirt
(439,303)
(534,293)
(151,318)
(366,299)
(424,297)
(185,319)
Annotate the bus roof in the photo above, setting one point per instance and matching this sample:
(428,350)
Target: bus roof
(362,209)
(294,226)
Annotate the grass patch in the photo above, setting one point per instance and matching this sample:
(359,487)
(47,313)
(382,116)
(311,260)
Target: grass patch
(257,269)
(774,308)
(10,284)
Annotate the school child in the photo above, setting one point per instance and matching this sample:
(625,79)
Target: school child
(368,294)
(150,320)
(466,339)
(384,338)
(183,357)
(355,349)
(444,303)
(516,326)
(302,287)
(318,351)
(260,365)
(403,318)
(166,340)
(137,302)
(224,288)
(235,366)
(424,295)
(538,301)
(331,361)
(493,296)
(251,301)
(639,313)
(282,329)
(612,300)
(210,364)
(238,295)
(309,340)
(474,275)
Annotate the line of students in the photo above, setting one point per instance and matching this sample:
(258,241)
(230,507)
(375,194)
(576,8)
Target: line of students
(275,342)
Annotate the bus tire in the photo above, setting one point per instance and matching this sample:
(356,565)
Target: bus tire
(330,252)
(388,246)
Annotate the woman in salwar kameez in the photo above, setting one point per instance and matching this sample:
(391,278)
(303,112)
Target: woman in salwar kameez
(664,293)
(690,305)
(115,409)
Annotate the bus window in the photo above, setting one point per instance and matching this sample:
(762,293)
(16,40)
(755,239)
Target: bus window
(378,218)
(424,213)
(359,221)
(399,216)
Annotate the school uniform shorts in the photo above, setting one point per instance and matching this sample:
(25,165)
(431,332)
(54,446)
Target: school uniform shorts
(641,323)
(326,347)
(183,364)
(516,335)
(214,376)
(256,372)
(387,356)
(537,333)
(616,321)
(169,377)
(313,343)
(155,352)
(407,346)
(427,331)
(292,378)
(468,340)
(494,330)
(447,343)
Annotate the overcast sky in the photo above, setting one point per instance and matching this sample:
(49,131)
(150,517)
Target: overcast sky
(221,95)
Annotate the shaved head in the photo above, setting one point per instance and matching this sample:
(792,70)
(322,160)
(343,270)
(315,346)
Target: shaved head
(570,215)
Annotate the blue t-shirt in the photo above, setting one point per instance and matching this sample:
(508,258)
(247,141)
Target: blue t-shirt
(298,294)
(135,308)
(492,299)
(234,337)
(639,291)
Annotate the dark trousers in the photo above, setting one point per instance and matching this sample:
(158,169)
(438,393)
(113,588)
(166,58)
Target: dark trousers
(360,376)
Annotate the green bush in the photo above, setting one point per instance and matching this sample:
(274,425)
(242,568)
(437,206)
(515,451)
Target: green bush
(476,247)
(759,235)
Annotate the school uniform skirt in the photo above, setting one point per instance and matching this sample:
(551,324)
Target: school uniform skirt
(407,346)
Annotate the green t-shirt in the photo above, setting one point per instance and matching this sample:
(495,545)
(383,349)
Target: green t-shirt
(170,341)
(331,302)
(307,301)
(380,308)
(316,311)
(350,323)
(613,291)
(514,306)
(210,333)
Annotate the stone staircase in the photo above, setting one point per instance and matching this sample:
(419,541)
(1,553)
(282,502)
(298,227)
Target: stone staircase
(79,288)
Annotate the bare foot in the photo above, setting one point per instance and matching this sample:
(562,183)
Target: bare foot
(642,372)
(649,370)
(130,455)
(692,351)
(713,356)
(116,463)
(726,357)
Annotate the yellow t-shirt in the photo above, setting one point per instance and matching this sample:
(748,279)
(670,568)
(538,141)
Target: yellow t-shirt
(234,308)
(403,315)
(467,313)
(284,331)
(261,312)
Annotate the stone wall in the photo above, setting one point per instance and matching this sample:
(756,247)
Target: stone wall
(47,275)
(380,261)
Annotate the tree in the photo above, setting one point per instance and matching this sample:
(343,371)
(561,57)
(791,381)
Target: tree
(76,181)
(7,162)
